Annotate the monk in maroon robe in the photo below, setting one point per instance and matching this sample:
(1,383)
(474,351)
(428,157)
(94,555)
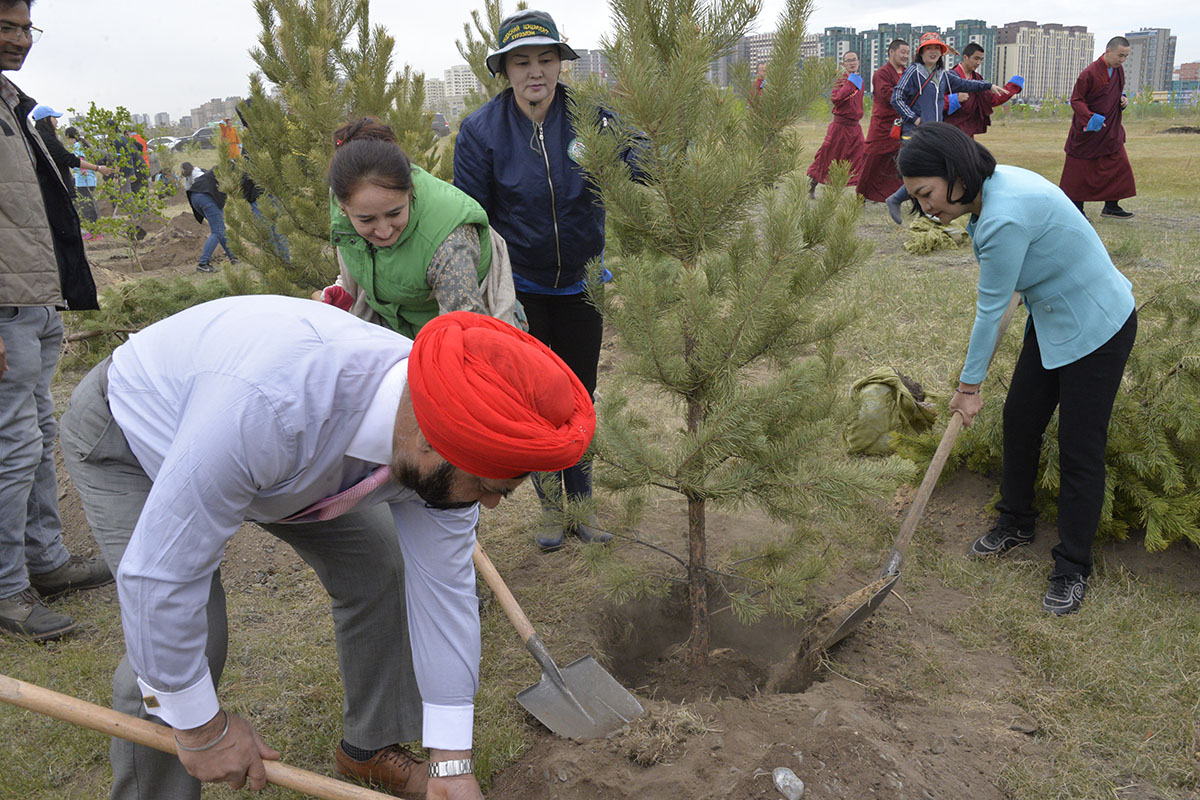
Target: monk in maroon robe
(1097,167)
(878,178)
(844,138)
(974,109)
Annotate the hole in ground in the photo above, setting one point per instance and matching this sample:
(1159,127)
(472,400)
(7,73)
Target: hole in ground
(647,643)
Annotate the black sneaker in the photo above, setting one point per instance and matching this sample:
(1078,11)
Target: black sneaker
(549,536)
(78,573)
(205,268)
(1115,211)
(999,540)
(26,615)
(1065,594)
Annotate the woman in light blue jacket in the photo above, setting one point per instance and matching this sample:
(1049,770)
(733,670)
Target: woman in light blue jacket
(1029,238)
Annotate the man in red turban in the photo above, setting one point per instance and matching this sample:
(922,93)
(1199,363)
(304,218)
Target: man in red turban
(370,455)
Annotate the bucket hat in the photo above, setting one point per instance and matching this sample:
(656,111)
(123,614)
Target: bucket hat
(41,112)
(526,28)
(934,39)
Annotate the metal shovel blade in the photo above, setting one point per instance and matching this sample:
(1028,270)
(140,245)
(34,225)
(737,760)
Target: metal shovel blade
(589,703)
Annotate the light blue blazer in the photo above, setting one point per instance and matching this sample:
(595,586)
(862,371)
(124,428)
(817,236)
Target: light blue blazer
(1030,238)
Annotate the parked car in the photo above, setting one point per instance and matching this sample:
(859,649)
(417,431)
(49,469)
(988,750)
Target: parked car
(168,142)
(440,126)
(205,137)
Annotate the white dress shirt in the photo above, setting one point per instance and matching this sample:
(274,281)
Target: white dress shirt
(253,408)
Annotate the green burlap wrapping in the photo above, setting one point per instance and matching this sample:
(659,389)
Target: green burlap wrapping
(927,235)
(885,404)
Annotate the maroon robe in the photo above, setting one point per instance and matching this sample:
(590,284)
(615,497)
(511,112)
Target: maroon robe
(1097,167)
(878,178)
(975,115)
(844,138)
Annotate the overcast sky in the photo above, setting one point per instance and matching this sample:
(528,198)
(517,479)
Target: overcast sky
(173,55)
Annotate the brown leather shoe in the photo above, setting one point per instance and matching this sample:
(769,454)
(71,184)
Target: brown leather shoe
(394,768)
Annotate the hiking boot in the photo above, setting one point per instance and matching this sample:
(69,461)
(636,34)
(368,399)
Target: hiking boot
(999,540)
(549,536)
(205,267)
(78,573)
(588,533)
(1115,211)
(26,615)
(1065,594)
(393,768)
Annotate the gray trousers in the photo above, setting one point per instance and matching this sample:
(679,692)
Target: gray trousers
(356,557)
(30,530)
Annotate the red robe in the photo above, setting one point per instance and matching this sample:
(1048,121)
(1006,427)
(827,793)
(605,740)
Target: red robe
(844,138)
(975,115)
(1097,167)
(878,178)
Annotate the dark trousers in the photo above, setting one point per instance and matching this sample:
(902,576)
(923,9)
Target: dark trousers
(1084,392)
(572,327)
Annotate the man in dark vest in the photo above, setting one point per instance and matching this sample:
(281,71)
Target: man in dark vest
(1097,167)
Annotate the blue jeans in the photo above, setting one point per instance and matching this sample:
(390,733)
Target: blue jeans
(215,217)
(279,240)
(30,530)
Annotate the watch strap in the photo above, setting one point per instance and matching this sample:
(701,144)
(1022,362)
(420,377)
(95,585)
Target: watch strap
(451,768)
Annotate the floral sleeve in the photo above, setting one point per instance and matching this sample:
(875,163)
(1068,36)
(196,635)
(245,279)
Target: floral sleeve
(453,272)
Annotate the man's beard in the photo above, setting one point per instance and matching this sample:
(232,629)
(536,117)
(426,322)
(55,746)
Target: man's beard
(433,488)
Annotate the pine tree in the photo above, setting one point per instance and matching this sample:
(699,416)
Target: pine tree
(475,51)
(325,64)
(724,297)
(1152,478)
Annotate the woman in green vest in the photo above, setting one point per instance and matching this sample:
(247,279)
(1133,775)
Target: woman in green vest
(409,246)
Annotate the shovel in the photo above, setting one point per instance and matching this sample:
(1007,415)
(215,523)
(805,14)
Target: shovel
(580,701)
(844,618)
(148,734)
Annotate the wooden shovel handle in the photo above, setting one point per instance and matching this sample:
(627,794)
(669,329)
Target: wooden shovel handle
(509,603)
(943,451)
(146,733)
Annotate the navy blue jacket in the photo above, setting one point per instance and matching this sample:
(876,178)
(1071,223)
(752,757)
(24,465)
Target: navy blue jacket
(535,194)
(929,105)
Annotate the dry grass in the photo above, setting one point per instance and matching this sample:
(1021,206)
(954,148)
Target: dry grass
(657,736)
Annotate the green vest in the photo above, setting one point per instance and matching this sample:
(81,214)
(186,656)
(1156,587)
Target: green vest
(393,277)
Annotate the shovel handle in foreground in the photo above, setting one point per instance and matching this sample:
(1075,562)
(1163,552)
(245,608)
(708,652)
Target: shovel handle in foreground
(139,731)
(929,482)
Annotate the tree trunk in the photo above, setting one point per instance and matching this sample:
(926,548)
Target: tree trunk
(697,560)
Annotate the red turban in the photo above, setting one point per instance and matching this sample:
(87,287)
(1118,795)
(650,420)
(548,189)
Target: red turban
(494,401)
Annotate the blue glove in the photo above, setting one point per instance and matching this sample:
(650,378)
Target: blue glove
(605,275)
(856,79)
(1018,80)
(1095,123)
(954,104)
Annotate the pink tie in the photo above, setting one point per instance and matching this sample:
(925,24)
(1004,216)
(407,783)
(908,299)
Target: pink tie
(340,503)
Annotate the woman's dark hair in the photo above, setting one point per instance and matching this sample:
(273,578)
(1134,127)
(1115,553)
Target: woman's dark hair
(366,150)
(73,133)
(44,125)
(186,169)
(941,62)
(940,150)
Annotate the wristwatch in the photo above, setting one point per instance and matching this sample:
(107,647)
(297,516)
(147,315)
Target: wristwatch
(449,769)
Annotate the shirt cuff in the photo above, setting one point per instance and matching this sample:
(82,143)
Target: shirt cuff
(187,708)
(447,727)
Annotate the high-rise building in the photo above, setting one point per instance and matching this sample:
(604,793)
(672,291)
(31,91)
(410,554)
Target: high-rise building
(162,120)
(1049,57)
(810,46)
(760,45)
(214,111)
(1151,60)
(461,81)
(435,94)
(874,47)
(966,31)
(590,63)
(1188,72)
(725,68)
(836,42)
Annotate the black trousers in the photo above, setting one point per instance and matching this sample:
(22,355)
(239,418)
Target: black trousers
(1084,392)
(572,327)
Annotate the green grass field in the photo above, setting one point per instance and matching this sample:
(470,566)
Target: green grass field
(1117,688)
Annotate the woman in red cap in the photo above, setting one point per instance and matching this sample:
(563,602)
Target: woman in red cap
(920,96)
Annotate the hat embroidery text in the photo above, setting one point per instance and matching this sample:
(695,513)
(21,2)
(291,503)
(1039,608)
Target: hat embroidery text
(526,29)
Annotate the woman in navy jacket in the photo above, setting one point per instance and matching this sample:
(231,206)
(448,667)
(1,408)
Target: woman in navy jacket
(516,156)
(1029,238)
